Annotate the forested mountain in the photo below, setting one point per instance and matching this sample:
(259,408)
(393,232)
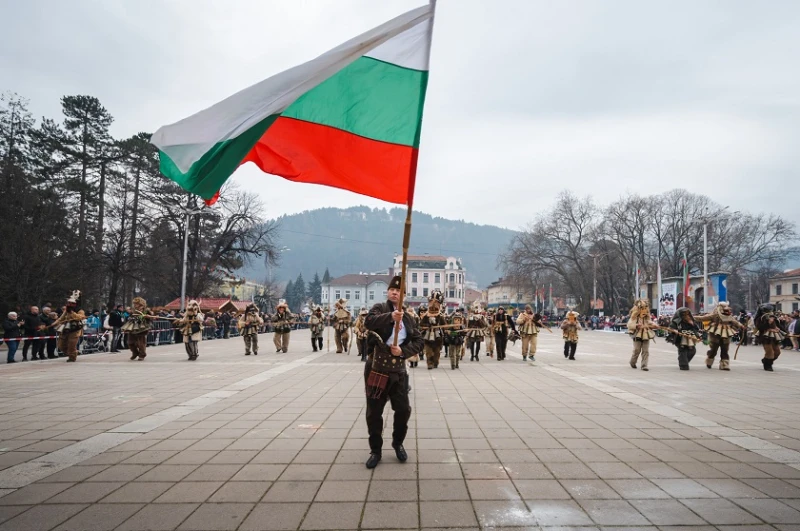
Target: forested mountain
(366,239)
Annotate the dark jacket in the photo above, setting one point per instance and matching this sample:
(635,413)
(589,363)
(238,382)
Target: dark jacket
(11,328)
(33,324)
(115,319)
(509,323)
(379,320)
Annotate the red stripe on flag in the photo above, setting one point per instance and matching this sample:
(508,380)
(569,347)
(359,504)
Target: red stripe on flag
(317,154)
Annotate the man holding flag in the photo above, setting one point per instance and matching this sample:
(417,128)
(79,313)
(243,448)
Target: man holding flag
(350,119)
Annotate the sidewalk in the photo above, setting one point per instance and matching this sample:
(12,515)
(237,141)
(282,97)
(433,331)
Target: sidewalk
(278,442)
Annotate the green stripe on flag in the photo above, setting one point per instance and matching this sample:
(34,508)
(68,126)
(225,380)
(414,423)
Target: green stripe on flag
(207,175)
(369,98)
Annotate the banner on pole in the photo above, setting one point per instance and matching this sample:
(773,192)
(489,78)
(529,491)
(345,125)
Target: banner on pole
(669,294)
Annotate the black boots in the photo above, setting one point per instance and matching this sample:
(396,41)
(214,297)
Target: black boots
(314,344)
(767,364)
(373,460)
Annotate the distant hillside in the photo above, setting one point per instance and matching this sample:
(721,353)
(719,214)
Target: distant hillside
(365,239)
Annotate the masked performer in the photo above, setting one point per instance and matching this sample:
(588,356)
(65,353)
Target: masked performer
(640,327)
(722,328)
(477,329)
(685,334)
(136,328)
(70,327)
(430,325)
(249,323)
(529,324)
(490,333)
(501,324)
(770,331)
(191,327)
(317,325)
(454,336)
(282,324)
(569,327)
(341,326)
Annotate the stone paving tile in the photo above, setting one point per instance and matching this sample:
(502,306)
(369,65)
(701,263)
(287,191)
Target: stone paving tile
(189,492)
(343,515)
(558,513)
(447,514)
(720,512)
(42,517)
(289,491)
(100,517)
(770,511)
(340,491)
(34,494)
(217,517)
(667,512)
(612,512)
(390,515)
(159,517)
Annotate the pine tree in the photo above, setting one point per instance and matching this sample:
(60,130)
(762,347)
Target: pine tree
(314,291)
(299,292)
(326,278)
(288,294)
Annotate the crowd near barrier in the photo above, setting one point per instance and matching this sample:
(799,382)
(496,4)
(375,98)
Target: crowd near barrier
(162,333)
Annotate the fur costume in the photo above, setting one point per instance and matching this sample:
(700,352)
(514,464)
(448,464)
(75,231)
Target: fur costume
(249,323)
(688,337)
(771,330)
(721,329)
(70,327)
(137,326)
(569,327)
(282,322)
(191,327)
(529,324)
(640,327)
(433,336)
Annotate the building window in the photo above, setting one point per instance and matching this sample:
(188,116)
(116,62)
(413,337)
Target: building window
(384,294)
(794,306)
(347,294)
(358,295)
(437,278)
(372,294)
(413,277)
(413,292)
(459,294)
(338,295)
(794,289)
(452,293)
(778,289)
(779,307)
(424,278)
(424,292)
(452,277)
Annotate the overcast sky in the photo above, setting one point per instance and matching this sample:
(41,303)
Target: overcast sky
(526,97)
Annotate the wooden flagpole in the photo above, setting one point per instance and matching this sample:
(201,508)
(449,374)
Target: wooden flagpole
(412,178)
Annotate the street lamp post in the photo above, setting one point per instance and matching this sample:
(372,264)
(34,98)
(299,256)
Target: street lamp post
(189,213)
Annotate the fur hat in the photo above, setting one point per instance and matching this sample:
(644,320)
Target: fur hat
(476,307)
(140,302)
(193,305)
(74,298)
(341,303)
(528,307)
(395,282)
(363,311)
(251,308)
(436,295)
(282,305)
(318,308)
(572,314)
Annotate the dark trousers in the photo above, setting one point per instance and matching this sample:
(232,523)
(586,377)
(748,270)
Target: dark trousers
(397,393)
(474,350)
(34,345)
(117,340)
(569,349)
(685,355)
(500,342)
(316,343)
(51,348)
(362,348)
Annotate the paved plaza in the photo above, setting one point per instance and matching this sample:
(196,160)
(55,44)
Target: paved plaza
(278,442)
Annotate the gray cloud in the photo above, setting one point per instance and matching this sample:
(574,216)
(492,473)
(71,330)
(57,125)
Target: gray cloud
(526,98)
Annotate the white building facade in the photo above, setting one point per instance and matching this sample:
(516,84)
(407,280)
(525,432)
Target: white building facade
(360,290)
(426,273)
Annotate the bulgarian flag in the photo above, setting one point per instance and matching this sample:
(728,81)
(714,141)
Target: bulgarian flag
(350,119)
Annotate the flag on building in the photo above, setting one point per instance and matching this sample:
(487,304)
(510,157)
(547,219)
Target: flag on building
(350,119)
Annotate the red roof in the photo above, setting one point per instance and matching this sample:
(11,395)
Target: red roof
(209,304)
(787,274)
